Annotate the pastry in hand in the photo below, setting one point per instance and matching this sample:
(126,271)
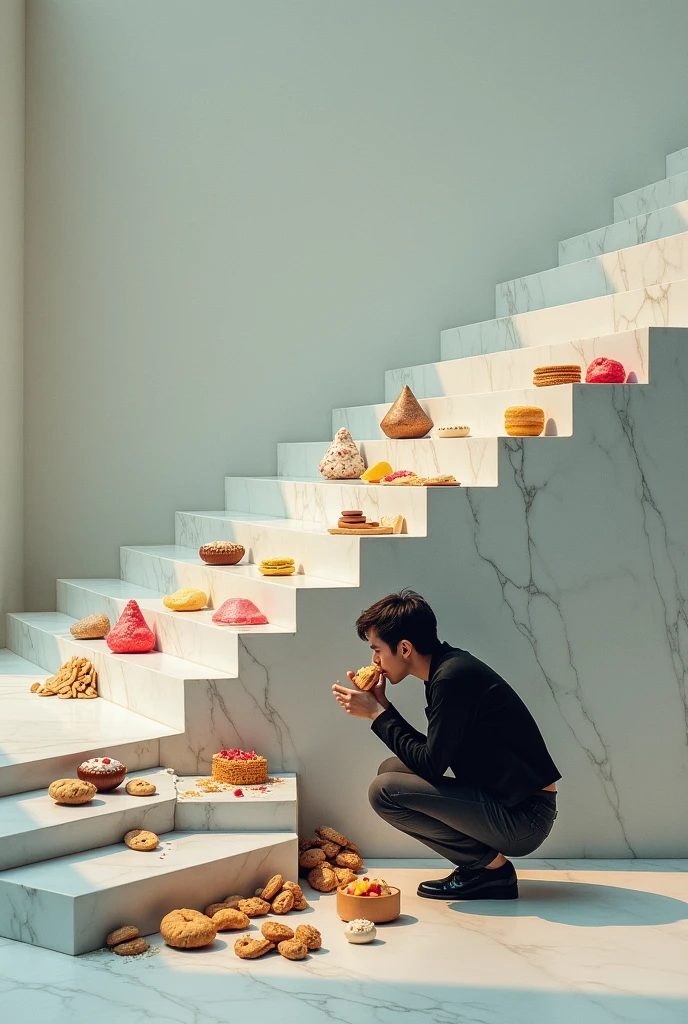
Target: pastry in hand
(367,677)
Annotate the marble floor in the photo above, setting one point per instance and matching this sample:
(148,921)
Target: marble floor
(588,941)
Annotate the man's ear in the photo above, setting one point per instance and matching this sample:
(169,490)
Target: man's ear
(406,648)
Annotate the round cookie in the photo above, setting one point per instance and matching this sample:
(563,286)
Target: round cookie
(309,935)
(124,934)
(140,787)
(524,421)
(322,878)
(275,931)
(344,875)
(222,552)
(251,949)
(331,835)
(272,888)
(330,849)
(295,888)
(71,791)
(348,859)
(132,948)
(187,929)
(301,903)
(255,907)
(283,903)
(142,840)
(93,627)
(226,920)
(311,858)
(292,950)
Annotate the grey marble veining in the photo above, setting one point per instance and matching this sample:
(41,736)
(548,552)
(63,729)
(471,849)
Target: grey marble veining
(647,227)
(660,194)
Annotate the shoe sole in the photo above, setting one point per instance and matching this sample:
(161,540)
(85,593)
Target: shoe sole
(510,893)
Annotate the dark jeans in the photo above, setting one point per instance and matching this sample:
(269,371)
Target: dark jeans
(462,823)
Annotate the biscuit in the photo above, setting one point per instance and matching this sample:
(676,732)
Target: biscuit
(286,570)
(140,787)
(292,950)
(251,949)
(349,859)
(344,876)
(565,373)
(301,903)
(222,552)
(272,888)
(124,934)
(353,848)
(283,903)
(524,420)
(232,902)
(255,907)
(308,844)
(141,839)
(187,929)
(322,878)
(331,835)
(71,791)
(213,908)
(93,627)
(330,849)
(295,888)
(132,948)
(309,858)
(275,931)
(187,599)
(226,920)
(354,512)
(309,935)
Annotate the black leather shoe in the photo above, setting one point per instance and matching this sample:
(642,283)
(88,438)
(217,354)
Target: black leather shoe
(466,884)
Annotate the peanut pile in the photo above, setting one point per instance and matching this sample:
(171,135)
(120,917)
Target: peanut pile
(77,678)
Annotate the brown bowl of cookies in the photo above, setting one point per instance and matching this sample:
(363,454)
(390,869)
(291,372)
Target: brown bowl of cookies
(369,898)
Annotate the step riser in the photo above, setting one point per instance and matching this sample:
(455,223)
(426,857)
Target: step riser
(177,635)
(220,812)
(317,502)
(652,197)
(313,552)
(649,227)
(219,583)
(485,416)
(78,925)
(626,270)
(677,163)
(148,693)
(513,369)
(89,828)
(659,305)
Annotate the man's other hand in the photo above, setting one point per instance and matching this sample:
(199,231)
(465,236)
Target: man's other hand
(362,703)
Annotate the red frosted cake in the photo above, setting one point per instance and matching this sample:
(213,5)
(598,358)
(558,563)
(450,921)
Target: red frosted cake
(240,767)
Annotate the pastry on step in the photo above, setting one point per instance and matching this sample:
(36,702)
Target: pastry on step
(550,376)
(365,679)
(105,773)
(131,633)
(396,522)
(277,567)
(444,480)
(406,417)
(239,611)
(71,791)
(524,420)
(240,767)
(222,552)
(140,787)
(605,371)
(187,929)
(342,460)
(398,479)
(142,840)
(93,627)
(374,474)
(188,599)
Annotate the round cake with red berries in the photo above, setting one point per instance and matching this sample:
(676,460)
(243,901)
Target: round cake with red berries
(240,767)
(104,772)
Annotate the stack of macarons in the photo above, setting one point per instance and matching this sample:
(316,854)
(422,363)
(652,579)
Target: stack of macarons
(524,420)
(547,376)
(277,567)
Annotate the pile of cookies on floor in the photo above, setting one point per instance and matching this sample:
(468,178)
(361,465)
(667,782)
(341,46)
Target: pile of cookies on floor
(328,859)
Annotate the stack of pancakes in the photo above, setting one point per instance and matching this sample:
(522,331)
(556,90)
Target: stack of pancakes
(566,373)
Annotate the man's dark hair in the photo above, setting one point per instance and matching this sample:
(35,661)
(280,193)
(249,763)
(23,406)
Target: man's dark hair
(402,616)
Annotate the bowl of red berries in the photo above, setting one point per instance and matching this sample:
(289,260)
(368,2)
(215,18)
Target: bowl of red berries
(369,898)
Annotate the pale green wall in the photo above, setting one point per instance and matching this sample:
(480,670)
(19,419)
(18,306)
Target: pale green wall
(11,305)
(241,213)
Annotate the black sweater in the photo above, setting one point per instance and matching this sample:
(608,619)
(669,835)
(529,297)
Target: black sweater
(477,725)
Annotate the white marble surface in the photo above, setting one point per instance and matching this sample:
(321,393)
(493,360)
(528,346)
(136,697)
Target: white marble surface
(475,457)
(656,262)
(677,163)
(652,197)
(513,368)
(657,305)
(321,501)
(600,942)
(71,904)
(270,537)
(646,228)
(274,810)
(34,828)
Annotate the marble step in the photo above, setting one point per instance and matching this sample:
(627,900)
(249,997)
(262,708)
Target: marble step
(655,306)
(473,461)
(677,163)
(652,197)
(648,227)
(153,685)
(34,828)
(44,738)
(169,567)
(275,810)
(308,544)
(70,904)
(321,501)
(513,368)
(476,455)
(188,635)
(625,270)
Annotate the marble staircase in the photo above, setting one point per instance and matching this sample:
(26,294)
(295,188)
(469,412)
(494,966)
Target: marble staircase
(563,559)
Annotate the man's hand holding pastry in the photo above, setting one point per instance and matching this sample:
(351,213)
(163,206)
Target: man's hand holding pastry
(368,699)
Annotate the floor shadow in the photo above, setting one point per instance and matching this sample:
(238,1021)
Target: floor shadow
(583,904)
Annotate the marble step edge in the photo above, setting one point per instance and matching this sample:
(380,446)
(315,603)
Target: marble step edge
(71,903)
(276,810)
(656,305)
(649,263)
(676,162)
(512,369)
(191,636)
(322,501)
(308,544)
(655,196)
(646,227)
(34,828)
(152,685)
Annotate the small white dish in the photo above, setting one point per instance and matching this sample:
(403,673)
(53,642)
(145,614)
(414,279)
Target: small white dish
(453,431)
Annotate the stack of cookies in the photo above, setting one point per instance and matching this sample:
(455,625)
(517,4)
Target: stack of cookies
(277,567)
(353,519)
(547,376)
(524,420)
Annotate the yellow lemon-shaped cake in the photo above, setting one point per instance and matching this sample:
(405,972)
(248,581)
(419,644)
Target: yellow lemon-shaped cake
(188,599)
(374,474)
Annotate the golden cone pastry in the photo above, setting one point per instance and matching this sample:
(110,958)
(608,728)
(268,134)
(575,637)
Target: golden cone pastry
(406,418)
